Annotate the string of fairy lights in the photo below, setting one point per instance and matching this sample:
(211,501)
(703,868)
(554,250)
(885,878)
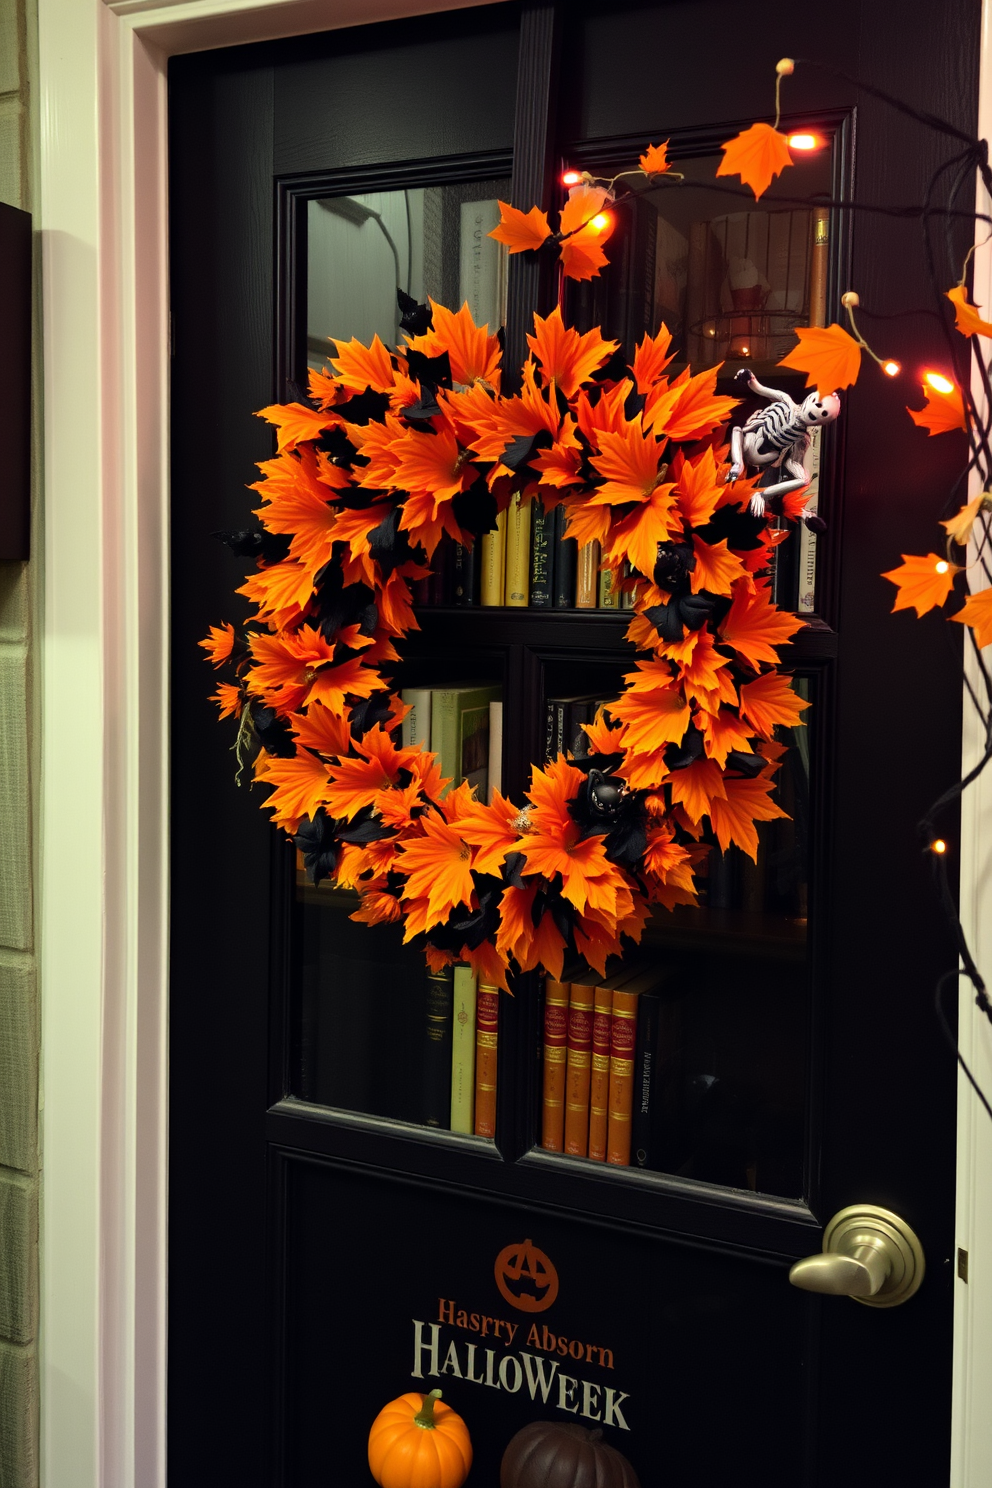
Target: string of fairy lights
(971,382)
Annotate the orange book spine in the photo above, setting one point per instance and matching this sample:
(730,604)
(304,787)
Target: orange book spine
(622,1031)
(599,1082)
(818,268)
(587,577)
(577,1070)
(555,1033)
(486,1043)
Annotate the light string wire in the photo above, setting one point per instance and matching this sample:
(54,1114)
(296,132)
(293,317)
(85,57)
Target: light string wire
(966,162)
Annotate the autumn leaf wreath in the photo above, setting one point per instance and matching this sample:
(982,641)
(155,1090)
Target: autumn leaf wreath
(395,448)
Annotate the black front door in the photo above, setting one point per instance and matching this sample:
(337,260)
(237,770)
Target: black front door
(329,1250)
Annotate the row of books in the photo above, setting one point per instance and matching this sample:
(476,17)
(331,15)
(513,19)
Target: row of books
(464,728)
(527,562)
(461,1034)
(563,720)
(602,1049)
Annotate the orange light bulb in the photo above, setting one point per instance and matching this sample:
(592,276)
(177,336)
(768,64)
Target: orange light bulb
(939,382)
(804,142)
(571,178)
(938,845)
(942,566)
(600,222)
(891,369)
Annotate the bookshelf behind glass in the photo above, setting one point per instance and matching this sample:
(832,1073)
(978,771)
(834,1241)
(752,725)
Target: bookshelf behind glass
(726,982)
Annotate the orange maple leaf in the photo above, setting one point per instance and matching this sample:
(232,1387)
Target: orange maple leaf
(757,155)
(629,464)
(733,815)
(358,367)
(941,413)
(323,388)
(716,568)
(377,908)
(281,592)
(697,489)
(567,358)
(637,535)
(491,831)
(286,666)
(322,730)
(966,316)
(959,527)
(977,612)
(584,227)
(696,788)
(354,526)
(438,868)
(355,783)
(433,462)
(923,583)
(228,699)
(722,731)
(830,357)
(653,718)
(688,410)
(300,786)
(521,231)
(332,684)
(769,700)
(655,161)
(295,423)
(754,627)
(219,643)
(651,358)
(472,352)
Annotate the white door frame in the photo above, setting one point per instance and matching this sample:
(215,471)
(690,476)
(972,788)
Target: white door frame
(104,820)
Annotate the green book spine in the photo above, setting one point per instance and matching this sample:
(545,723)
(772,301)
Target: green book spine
(460,734)
(437,1049)
(463,1052)
(444,732)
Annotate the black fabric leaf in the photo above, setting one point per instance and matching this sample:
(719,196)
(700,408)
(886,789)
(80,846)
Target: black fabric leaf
(475,509)
(316,840)
(270,547)
(415,319)
(434,370)
(273,731)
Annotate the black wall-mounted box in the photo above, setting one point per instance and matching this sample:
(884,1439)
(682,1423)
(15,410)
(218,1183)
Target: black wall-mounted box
(15,383)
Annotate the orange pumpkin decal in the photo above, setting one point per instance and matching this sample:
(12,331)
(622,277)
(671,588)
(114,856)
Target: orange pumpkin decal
(526,1277)
(416,1442)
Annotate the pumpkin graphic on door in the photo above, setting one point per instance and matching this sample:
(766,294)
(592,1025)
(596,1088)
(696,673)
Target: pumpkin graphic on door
(526,1277)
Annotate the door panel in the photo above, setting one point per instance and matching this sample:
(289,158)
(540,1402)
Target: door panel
(312,1223)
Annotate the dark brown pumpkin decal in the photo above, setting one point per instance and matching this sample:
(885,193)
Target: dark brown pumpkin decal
(553,1454)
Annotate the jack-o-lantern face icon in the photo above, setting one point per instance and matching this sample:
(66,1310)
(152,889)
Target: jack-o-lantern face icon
(526,1277)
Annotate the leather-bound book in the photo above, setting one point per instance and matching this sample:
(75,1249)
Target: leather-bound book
(542,557)
(463,1049)
(587,577)
(622,1037)
(599,1081)
(437,1048)
(517,591)
(553,1095)
(486,1043)
(578,1067)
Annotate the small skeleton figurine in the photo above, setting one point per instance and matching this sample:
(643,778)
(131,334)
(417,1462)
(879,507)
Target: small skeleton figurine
(777,437)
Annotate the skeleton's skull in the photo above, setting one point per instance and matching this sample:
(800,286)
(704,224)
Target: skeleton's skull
(820,408)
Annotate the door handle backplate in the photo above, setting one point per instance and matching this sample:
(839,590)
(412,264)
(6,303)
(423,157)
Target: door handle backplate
(869,1254)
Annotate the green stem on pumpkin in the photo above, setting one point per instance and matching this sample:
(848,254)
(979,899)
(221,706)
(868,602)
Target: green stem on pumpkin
(425,1416)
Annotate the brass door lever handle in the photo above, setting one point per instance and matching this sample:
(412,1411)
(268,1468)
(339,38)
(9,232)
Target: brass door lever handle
(869,1254)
